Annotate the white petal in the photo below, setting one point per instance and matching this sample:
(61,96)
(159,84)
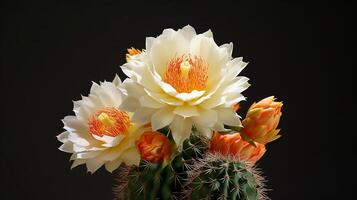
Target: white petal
(67,147)
(95,87)
(207,132)
(88,106)
(229,48)
(76,106)
(78,162)
(63,137)
(188,32)
(143,115)
(78,148)
(219,126)
(72,123)
(148,42)
(190,96)
(77,139)
(116,81)
(181,130)
(167,88)
(87,155)
(206,118)
(186,111)
(214,101)
(164,98)
(94,164)
(106,95)
(139,73)
(233,98)
(208,33)
(228,117)
(234,67)
(237,85)
(110,95)
(110,154)
(109,141)
(130,104)
(209,94)
(131,157)
(113,165)
(133,89)
(162,118)
(79,131)
(147,101)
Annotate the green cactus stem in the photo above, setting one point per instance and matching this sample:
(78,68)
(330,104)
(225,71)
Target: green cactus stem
(159,181)
(217,177)
(149,181)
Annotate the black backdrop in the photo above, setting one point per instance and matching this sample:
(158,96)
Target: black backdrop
(52,51)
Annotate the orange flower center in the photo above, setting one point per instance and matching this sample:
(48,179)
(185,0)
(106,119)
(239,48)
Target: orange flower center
(109,122)
(187,73)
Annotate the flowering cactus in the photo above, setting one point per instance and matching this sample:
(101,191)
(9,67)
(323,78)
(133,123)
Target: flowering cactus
(261,122)
(171,129)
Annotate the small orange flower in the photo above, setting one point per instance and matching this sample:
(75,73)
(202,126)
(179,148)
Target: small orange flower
(262,120)
(154,147)
(233,145)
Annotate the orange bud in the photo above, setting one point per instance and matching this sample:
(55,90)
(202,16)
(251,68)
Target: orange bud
(154,147)
(132,52)
(233,145)
(262,120)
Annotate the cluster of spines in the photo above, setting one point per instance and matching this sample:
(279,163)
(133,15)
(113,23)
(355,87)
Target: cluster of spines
(217,177)
(148,181)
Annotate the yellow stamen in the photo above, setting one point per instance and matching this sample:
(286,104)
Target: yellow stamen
(187,73)
(185,68)
(106,119)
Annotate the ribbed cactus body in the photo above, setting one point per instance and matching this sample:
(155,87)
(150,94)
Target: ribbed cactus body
(158,181)
(217,177)
(149,181)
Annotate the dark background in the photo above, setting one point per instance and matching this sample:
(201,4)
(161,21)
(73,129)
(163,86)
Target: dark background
(52,51)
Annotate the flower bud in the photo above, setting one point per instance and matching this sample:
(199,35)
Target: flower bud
(154,147)
(262,120)
(232,145)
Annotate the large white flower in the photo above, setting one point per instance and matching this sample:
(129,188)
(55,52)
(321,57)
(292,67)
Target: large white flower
(100,133)
(184,79)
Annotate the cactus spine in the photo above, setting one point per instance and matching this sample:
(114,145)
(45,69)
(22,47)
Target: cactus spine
(157,181)
(219,177)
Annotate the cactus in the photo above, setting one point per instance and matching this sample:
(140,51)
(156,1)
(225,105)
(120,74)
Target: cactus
(148,181)
(217,177)
(192,175)
(159,180)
